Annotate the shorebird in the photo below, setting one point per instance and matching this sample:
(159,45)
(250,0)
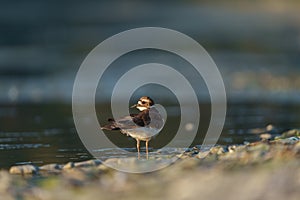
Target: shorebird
(142,126)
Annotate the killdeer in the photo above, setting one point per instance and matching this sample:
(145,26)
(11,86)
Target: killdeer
(142,126)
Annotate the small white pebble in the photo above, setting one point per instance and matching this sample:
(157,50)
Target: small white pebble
(23,169)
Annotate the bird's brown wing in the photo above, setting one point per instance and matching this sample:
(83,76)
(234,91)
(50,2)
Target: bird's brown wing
(142,119)
(133,121)
(126,123)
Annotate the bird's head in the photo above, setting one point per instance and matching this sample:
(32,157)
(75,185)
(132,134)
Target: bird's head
(144,103)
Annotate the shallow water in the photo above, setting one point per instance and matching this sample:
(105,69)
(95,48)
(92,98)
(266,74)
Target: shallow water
(45,133)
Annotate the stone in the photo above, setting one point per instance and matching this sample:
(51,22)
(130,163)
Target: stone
(265,136)
(290,140)
(69,165)
(290,133)
(232,148)
(88,163)
(23,169)
(51,167)
(218,150)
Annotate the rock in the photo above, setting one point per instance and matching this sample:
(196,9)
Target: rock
(290,140)
(258,146)
(69,165)
(202,154)
(290,133)
(218,150)
(51,167)
(23,169)
(232,148)
(265,136)
(88,163)
(104,168)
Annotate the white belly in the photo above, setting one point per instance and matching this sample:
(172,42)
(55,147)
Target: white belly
(141,133)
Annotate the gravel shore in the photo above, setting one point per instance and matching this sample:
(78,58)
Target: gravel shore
(267,169)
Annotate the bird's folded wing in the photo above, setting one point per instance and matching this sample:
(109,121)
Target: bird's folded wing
(126,123)
(157,121)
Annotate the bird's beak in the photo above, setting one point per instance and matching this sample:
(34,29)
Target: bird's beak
(133,106)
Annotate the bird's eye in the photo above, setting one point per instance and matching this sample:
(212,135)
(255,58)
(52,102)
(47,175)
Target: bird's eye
(143,102)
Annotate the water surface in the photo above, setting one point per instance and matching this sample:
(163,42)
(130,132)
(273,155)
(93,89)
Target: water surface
(45,133)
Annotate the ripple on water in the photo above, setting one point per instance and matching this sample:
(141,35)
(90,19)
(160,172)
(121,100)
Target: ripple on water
(22,146)
(106,153)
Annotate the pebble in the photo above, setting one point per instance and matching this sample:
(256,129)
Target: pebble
(92,179)
(290,133)
(202,154)
(69,165)
(23,169)
(218,150)
(265,136)
(290,140)
(232,148)
(51,167)
(88,163)
(252,151)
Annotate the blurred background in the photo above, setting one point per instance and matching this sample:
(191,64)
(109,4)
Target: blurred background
(255,44)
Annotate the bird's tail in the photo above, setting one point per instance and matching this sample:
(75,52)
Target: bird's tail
(111,126)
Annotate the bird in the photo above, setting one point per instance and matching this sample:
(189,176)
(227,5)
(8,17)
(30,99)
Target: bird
(142,126)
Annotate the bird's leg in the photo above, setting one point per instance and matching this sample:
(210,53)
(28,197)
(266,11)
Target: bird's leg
(147,141)
(138,147)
